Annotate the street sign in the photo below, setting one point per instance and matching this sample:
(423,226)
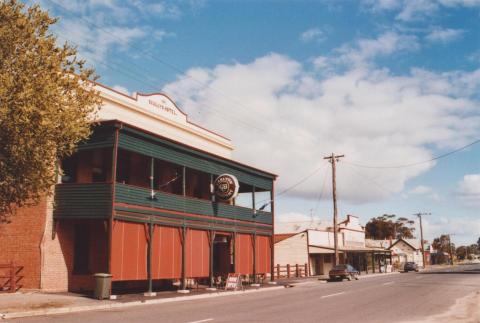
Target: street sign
(233,282)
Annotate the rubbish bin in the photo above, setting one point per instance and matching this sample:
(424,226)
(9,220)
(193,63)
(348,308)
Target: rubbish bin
(102,285)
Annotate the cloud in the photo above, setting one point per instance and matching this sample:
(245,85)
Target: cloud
(162,9)
(444,35)
(461,229)
(474,57)
(162,34)
(424,192)
(408,10)
(313,34)
(421,190)
(95,44)
(468,189)
(100,27)
(365,50)
(296,222)
(283,118)
(320,62)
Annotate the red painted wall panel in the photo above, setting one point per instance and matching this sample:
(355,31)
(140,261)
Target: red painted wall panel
(197,254)
(166,253)
(129,251)
(243,254)
(263,254)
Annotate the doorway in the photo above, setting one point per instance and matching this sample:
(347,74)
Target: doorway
(222,255)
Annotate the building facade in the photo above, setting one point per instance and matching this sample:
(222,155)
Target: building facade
(406,250)
(316,248)
(144,200)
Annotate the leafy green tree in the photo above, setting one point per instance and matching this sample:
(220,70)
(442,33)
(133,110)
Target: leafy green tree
(46,102)
(465,252)
(462,252)
(443,245)
(386,227)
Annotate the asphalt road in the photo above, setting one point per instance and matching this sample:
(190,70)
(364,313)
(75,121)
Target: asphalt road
(390,298)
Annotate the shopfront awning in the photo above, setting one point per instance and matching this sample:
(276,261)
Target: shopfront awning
(314,249)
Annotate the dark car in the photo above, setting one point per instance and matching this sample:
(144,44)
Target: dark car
(343,271)
(410,266)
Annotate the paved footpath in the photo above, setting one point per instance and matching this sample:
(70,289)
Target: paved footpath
(443,295)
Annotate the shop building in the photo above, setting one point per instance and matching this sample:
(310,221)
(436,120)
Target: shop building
(406,250)
(315,247)
(150,198)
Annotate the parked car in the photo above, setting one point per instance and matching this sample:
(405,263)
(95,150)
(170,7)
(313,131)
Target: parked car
(410,266)
(343,271)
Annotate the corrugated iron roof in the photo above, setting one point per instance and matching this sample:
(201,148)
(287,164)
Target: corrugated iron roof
(282,236)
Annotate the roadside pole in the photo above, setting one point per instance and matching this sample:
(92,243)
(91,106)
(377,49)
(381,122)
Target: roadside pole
(333,159)
(421,237)
(450,249)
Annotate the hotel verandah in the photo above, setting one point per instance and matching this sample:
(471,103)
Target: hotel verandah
(136,201)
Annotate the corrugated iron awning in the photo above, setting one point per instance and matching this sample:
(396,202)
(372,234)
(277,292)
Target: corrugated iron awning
(329,250)
(315,250)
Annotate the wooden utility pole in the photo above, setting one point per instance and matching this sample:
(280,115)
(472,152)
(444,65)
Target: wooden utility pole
(419,214)
(450,247)
(333,159)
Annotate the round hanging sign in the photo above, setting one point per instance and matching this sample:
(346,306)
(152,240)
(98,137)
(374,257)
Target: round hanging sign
(226,187)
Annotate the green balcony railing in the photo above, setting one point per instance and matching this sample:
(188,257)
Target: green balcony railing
(133,195)
(89,200)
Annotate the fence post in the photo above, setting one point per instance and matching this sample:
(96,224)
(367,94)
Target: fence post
(297,273)
(278,270)
(13,280)
(306,270)
(288,270)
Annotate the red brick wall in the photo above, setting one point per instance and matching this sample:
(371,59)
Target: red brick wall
(20,241)
(97,252)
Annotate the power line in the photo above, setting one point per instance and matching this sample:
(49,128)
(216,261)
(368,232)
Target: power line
(320,195)
(416,163)
(147,80)
(304,179)
(370,180)
(301,181)
(152,56)
(129,73)
(144,78)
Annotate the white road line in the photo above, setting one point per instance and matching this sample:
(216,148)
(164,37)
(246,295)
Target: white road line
(325,296)
(388,283)
(205,320)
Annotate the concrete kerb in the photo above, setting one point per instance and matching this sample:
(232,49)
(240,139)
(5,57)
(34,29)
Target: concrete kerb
(106,306)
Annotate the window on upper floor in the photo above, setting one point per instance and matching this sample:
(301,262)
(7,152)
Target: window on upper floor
(168,177)
(88,166)
(197,184)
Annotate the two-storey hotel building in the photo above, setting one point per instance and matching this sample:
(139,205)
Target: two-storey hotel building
(137,200)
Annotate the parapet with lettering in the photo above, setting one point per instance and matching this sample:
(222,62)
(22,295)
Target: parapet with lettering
(157,113)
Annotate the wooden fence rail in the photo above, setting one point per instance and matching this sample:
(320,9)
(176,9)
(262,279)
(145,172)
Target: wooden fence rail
(10,277)
(289,270)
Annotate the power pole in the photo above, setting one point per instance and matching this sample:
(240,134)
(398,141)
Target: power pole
(450,247)
(333,159)
(419,214)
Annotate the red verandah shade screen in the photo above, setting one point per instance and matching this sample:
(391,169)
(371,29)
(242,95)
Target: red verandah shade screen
(166,253)
(243,254)
(198,254)
(129,250)
(263,253)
